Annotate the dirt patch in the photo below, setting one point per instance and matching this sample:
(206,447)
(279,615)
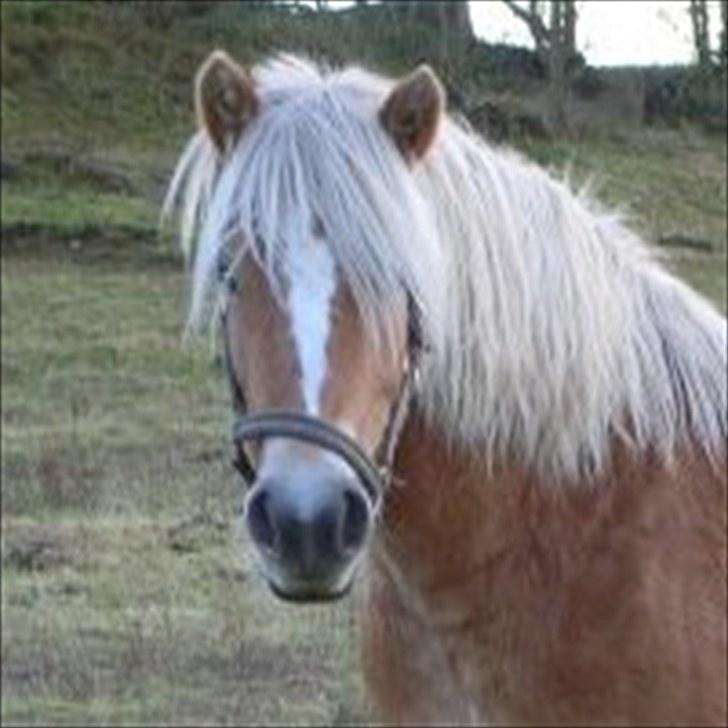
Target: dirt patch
(250,674)
(255,660)
(34,549)
(67,483)
(197,532)
(56,671)
(231,573)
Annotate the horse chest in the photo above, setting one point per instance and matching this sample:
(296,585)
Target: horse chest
(539,608)
(444,578)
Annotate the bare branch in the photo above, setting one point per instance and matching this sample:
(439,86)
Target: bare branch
(535,24)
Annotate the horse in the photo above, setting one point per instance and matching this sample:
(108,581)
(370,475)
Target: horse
(469,389)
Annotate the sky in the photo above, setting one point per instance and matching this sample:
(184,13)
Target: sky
(609,32)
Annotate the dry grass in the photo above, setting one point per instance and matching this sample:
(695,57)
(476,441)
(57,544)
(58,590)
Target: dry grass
(116,624)
(126,596)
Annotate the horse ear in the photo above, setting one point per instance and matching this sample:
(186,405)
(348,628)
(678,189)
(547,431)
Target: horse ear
(412,112)
(224,99)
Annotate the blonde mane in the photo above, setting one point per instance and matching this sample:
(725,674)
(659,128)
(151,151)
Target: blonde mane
(554,332)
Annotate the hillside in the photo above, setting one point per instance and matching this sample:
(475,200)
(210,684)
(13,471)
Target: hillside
(96,104)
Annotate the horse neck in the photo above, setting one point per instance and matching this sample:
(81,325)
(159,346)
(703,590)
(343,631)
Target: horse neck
(455,531)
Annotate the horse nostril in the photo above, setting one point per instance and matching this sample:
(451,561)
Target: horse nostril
(259,519)
(356,519)
(311,527)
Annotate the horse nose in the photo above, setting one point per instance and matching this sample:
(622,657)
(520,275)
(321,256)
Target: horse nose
(310,528)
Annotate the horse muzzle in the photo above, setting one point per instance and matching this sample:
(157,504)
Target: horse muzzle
(309,531)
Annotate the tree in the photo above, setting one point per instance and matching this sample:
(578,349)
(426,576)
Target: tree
(555,41)
(701,32)
(448,16)
(561,49)
(559,29)
(709,83)
(533,17)
(723,43)
(700,19)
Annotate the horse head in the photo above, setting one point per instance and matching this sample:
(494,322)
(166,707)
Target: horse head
(320,397)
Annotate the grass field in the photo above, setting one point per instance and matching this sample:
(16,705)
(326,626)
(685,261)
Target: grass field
(128,595)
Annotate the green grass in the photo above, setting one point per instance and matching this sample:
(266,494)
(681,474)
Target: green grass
(70,212)
(128,595)
(123,76)
(126,627)
(664,182)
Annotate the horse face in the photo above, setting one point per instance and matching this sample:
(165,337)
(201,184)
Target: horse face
(307,349)
(303,345)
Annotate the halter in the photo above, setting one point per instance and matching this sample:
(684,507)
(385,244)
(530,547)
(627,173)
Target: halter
(375,474)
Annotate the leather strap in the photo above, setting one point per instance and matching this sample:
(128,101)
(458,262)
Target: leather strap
(239,402)
(300,426)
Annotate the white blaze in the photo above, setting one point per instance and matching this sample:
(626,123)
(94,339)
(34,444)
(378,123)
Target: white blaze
(312,278)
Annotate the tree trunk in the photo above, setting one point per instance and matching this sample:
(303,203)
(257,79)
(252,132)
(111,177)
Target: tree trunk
(534,18)
(569,35)
(701,34)
(557,64)
(724,34)
(555,44)
(536,11)
(451,16)
(450,19)
(457,15)
(723,56)
(444,32)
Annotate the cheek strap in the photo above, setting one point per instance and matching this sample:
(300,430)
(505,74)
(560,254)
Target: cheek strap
(374,475)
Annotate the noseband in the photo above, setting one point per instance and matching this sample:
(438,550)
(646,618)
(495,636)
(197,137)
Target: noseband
(374,474)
